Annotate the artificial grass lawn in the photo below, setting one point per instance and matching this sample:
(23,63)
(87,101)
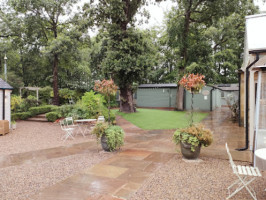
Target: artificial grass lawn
(150,119)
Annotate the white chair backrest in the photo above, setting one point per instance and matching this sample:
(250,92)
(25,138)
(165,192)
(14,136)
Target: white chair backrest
(69,121)
(62,124)
(101,119)
(230,158)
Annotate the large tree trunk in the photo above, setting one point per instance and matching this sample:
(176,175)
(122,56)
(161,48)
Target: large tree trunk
(180,98)
(55,80)
(126,100)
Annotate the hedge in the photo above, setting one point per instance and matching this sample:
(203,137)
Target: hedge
(41,109)
(52,116)
(22,115)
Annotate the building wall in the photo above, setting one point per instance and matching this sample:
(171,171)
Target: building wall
(242,99)
(156,97)
(7,105)
(226,95)
(203,102)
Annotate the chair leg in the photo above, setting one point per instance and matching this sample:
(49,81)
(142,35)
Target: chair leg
(243,184)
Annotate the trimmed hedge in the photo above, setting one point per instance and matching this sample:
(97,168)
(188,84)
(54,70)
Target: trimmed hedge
(41,109)
(52,116)
(23,116)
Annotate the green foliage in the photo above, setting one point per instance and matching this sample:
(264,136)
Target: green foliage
(99,130)
(52,116)
(114,134)
(94,102)
(41,109)
(22,116)
(65,110)
(194,135)
(115,137)
(30,101)
(65,95)
(15,103)
(45,94)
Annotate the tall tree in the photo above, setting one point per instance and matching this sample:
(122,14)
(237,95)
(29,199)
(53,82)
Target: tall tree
(49,24)
(128,53)
(186,26)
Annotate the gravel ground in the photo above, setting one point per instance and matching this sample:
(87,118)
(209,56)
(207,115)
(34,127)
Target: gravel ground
(23,181)
(207,179)
(41,136)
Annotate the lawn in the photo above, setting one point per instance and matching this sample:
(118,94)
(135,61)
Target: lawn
(150,119)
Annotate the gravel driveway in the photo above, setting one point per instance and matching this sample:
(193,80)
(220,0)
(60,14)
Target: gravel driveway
(189,180)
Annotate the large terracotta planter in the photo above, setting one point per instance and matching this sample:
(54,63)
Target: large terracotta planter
(104,143)
(187,153)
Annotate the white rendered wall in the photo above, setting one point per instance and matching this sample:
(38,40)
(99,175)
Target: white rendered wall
(7,105)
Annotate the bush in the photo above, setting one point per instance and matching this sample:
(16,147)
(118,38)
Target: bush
(16,101)
(115,137)
(41,109)
(52,116)
(94,102)
(65,110)
(30,101)
(22,115)
(99,129)
(45,94)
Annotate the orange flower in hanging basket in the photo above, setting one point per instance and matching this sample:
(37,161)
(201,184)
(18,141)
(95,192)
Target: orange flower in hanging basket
(193,82)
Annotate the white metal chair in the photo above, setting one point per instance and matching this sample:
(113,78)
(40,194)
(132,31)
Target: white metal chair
(70,122)
(245,174)
(68,130)
(101,119)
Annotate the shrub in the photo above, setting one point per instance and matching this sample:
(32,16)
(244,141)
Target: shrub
(52,116)
(22,115)
(65,110)
(194,135)
(115,137)
(45,94)
(94,102)
(16,101)
(41,109)
(99,129)
(30,101)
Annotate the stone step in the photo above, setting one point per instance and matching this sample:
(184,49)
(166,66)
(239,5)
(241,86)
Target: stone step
(38,118)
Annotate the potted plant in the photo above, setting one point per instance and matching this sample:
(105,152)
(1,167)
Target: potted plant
(111,137)
(13,125)
(191,139)
(194,136)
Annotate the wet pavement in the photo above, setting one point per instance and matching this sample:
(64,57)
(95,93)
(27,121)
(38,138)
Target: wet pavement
(144,152)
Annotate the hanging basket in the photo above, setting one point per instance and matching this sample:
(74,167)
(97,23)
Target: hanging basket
(194,91)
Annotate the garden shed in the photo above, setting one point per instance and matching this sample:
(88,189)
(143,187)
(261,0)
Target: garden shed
(5,101)
(253,86)
(165,95)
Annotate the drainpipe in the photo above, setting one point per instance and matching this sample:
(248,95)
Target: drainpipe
(247,100)
(211,99)
(239,87)
(4,104)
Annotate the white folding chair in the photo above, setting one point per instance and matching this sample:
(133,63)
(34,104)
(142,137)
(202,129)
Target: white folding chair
(101,119)
(70,123)
(68,130)
(245,174)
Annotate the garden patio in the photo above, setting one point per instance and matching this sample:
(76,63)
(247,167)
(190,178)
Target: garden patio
(36,164)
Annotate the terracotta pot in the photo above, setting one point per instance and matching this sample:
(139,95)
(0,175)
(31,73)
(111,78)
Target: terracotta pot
(104,143)
(187,153)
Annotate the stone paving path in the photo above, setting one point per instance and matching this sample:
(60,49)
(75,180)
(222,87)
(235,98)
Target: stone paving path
(123,174)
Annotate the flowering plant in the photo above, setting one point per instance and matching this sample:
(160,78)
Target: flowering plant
(192,82)
(107,88)
(194,135)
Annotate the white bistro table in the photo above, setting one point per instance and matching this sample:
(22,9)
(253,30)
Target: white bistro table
(83,128)
(261,153)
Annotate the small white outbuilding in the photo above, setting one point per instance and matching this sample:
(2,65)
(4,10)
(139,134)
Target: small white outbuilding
(5,101)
